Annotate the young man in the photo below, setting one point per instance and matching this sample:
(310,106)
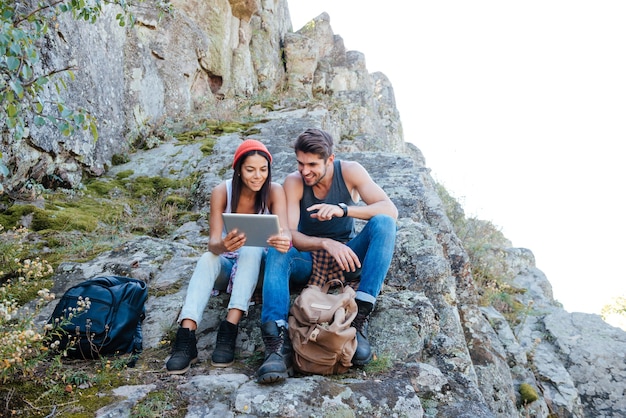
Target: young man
(322,201)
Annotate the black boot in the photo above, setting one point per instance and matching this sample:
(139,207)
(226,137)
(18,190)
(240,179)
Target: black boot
(278,357)
(184,353)
(224,353)
(363,353)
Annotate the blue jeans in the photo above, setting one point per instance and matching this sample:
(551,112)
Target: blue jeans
(374,246)
(213,272)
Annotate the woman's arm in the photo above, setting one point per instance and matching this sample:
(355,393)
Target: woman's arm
(233,240)
(278,206)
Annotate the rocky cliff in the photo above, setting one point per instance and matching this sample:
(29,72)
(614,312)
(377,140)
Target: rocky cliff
(446,355)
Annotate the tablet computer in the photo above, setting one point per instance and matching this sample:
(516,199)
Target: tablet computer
(258,228)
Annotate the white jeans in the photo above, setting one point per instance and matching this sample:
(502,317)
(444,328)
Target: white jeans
(213,271)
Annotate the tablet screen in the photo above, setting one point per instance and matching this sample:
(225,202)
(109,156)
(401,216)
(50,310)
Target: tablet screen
(258,228)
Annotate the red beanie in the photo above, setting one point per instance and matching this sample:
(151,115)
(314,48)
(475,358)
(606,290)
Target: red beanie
(250,145)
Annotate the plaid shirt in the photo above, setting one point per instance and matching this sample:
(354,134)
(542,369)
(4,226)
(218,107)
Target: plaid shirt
(326,268)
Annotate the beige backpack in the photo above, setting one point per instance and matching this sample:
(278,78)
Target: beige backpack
(320,329)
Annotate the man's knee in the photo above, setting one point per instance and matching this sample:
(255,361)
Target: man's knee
(274,256)
(384,224)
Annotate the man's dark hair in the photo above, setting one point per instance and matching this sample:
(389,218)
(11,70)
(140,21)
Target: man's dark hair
(315,141)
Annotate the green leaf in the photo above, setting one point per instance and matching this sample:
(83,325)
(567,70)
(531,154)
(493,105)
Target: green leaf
(7,14)
(94,130)
(17,88)
(27,72)
(66,113)
(64,127)
(79,119)
(11,110)
(39,121)
(19,130)
(15,49)
(13,63)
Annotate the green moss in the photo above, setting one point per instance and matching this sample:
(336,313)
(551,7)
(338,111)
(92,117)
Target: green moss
(252,132)
(169,403)
(210,127)
(143,186)
(159,292)
(379,364)
(191,136)
(178,201)
(99,187)
(124,174)
(119,159)
(59,218)
(207,146)
(528,393)
(22,398)
(10,217)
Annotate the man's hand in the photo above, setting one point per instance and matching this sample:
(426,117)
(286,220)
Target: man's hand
(345,257)
(325,211)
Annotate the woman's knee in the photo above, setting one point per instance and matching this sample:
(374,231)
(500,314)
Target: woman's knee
(208,258)
(252,252)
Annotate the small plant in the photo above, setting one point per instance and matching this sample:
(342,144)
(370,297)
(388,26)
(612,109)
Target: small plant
(616,307)
(485,244)
(528,394)
(22,345)
(379,364)
(163,403)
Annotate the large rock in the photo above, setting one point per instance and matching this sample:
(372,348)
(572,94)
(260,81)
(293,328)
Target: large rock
(449,357)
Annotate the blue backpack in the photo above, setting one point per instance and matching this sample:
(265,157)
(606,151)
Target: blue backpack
(112,323)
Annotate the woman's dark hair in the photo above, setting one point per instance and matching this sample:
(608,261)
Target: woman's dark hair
(261,202)
(315,141)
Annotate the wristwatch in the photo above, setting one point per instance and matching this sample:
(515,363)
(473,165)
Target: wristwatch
(344,207)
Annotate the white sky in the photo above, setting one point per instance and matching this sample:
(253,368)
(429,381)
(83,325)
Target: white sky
(520,111)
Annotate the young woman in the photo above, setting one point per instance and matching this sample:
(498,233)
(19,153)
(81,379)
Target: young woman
(229,264)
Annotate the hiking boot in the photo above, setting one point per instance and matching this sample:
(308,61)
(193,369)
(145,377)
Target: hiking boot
(278,356)
(224,353)
(184,353)
(363,353)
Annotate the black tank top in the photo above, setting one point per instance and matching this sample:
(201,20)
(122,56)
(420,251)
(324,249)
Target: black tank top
(340,229)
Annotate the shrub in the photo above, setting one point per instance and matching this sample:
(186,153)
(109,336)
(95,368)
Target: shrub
(528,394)
(21,342)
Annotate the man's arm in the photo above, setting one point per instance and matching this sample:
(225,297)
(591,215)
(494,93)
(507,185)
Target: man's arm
(376,201)
(294,190)
(360,184)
